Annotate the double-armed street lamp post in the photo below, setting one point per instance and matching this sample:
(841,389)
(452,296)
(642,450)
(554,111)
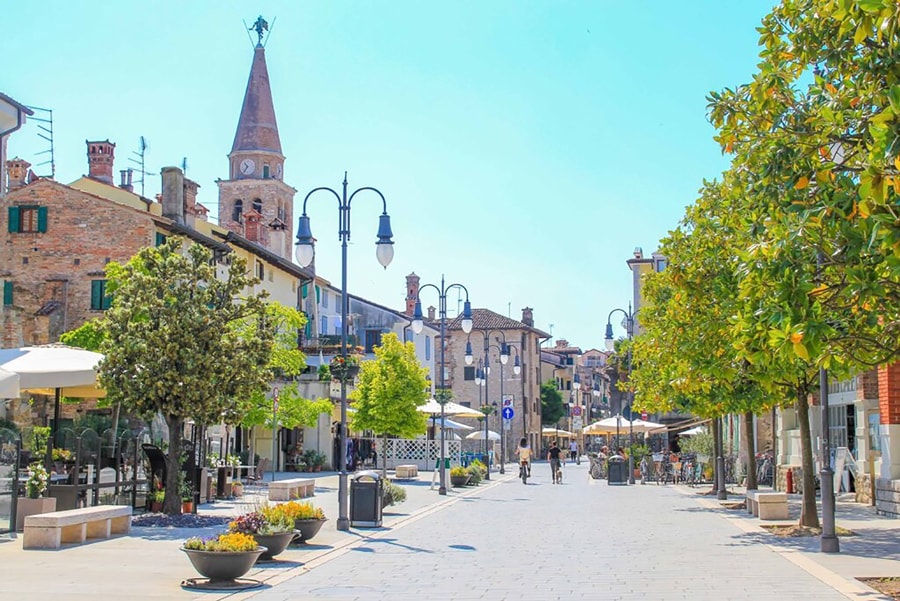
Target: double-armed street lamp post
(610,345)
(466,325)
(504,359)
(305,251)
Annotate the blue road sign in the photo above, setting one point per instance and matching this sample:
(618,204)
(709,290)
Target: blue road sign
(508,413)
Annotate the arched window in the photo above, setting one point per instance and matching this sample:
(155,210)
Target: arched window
(257,206)
(265,171)
(238,210)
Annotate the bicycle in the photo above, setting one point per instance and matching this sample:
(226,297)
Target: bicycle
(764,471)
(523,471)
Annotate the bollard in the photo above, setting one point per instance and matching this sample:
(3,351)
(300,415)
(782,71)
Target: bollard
(789,480)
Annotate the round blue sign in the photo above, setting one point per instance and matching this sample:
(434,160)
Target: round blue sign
(508,413)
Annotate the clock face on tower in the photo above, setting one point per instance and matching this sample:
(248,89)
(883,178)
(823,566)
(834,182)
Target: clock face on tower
(247,166)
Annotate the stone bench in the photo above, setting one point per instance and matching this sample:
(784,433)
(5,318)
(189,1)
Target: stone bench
(293,488)
(767,505)
(51,530)
(406,472)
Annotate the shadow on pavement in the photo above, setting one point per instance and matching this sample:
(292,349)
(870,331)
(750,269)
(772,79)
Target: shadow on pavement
(367,547)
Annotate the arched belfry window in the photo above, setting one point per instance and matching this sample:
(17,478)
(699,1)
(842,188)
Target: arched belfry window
(238,210)
(257,206)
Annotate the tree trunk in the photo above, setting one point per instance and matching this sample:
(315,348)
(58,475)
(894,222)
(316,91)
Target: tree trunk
(808,514)
(751,451)
(172,503)
(717,452)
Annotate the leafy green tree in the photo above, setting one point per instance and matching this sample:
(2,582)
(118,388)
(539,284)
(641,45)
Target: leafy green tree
(182,342)
(88,336)
(389,392)
(552,408)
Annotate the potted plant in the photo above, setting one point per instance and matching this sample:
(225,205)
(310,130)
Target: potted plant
(33,502)
(270,526)
(477,472)
(324,373)
(459,476)
(156,498)
(187,496)
(223,558)
(344,369)
(308,519)
(237,489)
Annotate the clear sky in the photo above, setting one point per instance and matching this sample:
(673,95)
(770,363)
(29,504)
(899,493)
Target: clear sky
(525,147)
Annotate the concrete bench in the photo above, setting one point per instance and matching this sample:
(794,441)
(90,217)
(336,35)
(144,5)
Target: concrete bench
(294,488)
(406,472)
(767,505)
(51,530)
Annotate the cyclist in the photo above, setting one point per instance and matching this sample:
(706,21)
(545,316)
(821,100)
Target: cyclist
(553,458)
(523,452)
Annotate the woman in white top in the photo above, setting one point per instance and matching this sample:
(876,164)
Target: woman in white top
(523,452)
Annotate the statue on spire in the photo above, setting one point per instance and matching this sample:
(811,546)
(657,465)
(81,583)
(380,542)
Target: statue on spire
(259,27)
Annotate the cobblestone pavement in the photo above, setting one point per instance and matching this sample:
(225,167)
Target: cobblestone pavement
(583,539)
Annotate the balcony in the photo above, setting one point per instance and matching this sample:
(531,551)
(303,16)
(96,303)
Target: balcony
(329,345)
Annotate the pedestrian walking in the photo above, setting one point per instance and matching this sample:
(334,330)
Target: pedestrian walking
(554,459)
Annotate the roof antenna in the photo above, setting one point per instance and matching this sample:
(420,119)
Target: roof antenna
(141,152)
(46,134)
(184,165)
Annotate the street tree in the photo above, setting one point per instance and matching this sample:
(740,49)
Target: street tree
(182,342)
(389,392)
(552,409)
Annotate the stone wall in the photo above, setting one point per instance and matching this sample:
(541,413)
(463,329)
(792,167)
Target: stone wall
(887,497)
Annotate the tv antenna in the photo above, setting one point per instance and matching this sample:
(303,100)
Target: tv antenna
(45,133)
(184,165)
(141,153)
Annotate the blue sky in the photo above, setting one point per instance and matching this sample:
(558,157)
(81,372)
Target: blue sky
(525,148)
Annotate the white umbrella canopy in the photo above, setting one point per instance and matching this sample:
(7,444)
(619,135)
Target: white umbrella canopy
(607,425)
(557,432)
(44,369)
(450,408)
(9,385)
(448,424)
(693,431)
(651,427)
(479,435)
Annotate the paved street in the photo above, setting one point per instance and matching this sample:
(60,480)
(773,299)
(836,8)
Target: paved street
(583,539)
(502,540)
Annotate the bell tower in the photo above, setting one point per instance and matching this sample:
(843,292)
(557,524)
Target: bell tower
(256,168)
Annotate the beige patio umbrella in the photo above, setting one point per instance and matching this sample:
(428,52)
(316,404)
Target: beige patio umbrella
(609,425)
(557,432)
(450,408)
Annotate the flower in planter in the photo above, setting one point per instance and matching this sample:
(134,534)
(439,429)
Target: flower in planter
(230,542)
(301,510)
(37,481)
(344,368)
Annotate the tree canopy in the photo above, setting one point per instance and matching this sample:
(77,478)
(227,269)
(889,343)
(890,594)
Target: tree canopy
(552,409)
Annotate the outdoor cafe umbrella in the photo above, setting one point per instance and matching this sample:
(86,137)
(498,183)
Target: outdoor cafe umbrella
(641,425)
(479,435)
(557,432)
(54,369)
(9,385)
(609,425)
(450,408)
(449,424)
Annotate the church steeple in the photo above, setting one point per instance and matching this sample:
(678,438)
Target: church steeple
(254,201)
(257,128)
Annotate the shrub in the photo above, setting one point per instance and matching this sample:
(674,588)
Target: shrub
(477,472)
(393,494)
(37,481)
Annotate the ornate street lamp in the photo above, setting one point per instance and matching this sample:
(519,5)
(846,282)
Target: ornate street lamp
(610,345)
(466,325)
(305,251)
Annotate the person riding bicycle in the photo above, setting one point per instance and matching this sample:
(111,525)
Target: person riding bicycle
(523,452)
(553,457)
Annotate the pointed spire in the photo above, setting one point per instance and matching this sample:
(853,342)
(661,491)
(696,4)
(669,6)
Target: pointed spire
(257,129)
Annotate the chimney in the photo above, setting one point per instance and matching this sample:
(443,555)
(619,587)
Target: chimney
(430,313)
(173,194)
(638,252)
(17,170)
(528,317)
(126,175)
(412,292)
(100,160)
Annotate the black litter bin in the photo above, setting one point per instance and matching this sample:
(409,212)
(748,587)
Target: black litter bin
(366,496)
(617,470)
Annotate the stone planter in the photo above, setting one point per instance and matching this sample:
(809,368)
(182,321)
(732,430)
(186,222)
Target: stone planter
(274,543)
(459,481)
(223,566)
(26,507)
(306,529)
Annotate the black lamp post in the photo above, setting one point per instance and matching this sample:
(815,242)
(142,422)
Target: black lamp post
(466,325)
(610,345)
(504,359)
(305,251)
(828,542)
(481,382)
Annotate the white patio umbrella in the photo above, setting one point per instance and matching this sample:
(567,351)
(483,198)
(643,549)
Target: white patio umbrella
(649,427)
(693,431)
(479,435)
(557,432)
(450,408)
(609,425)
(449,424)
(54,369)
(9,385)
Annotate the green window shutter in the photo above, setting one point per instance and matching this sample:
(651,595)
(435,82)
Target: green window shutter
(160,239)
(318,295)
(305,290)
(96,295)
(7,293)
(42,219)
(13,219)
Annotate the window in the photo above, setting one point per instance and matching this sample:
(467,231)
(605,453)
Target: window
(265,171)
(324,299)
(257,206)
(260,270)
(408,336)
(238,210)
(323,330)
(160,239)
(281,213)
(100,301)
(7,293)
(28,219)
(427,348)
(468,373)
(373,339)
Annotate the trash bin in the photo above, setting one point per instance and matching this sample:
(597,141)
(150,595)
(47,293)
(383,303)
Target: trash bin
(366,497)
(617,470)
